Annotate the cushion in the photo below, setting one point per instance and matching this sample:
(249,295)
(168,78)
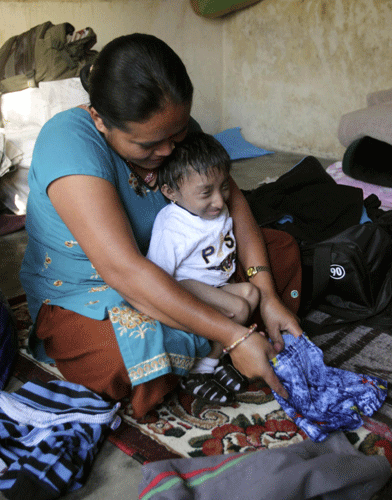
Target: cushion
(237,147)
(374,121)
(379,97)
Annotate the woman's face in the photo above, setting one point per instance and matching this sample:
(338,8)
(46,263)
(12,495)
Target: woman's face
(148,143)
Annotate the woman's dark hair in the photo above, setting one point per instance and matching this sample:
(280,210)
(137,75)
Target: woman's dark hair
(198,152)
(132,78)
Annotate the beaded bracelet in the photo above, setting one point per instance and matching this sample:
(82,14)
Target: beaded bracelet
(241,339)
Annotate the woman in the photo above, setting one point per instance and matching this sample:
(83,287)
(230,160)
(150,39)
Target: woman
(112,320)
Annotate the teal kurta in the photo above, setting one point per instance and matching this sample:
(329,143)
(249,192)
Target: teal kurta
(56,271)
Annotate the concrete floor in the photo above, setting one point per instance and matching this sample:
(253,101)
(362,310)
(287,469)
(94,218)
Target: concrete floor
(114,474)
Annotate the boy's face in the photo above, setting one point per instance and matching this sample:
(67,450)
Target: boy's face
(202,195)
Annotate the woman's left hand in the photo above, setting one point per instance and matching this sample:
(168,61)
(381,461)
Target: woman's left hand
(277,318)
(251,251)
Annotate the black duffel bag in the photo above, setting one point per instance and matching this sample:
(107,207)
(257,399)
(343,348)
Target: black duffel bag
(347,277)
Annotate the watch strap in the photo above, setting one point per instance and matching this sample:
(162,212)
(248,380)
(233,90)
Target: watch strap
(252,271)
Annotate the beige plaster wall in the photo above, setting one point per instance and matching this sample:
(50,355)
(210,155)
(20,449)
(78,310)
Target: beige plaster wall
(293,67)
(198,41)
(283,70)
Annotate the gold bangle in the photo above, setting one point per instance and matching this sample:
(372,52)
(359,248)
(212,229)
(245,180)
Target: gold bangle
(252,271)
(241,339)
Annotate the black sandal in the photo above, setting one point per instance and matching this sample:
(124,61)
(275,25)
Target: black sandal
(204,386)
(230,378)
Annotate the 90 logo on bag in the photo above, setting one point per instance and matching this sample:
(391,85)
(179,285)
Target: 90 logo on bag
(337,272)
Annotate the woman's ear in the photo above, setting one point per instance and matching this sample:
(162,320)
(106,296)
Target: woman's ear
(168,192)
(98,121)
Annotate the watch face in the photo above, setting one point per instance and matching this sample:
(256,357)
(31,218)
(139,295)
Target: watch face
(250,271)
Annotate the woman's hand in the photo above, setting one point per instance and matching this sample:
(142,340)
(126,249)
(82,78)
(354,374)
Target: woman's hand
(277,318)
(251,358)
(252,251)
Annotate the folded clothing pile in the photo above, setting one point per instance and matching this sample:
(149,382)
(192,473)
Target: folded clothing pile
(24,113)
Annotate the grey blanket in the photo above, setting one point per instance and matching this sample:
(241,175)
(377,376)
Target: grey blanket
(332,470)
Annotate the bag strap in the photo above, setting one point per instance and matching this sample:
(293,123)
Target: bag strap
(321,271)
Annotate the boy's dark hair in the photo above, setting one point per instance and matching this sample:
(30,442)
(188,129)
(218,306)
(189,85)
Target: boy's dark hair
(199,152)
(132,78)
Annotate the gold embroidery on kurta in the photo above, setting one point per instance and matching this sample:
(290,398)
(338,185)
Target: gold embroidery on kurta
(129,319)
(94,276)
(47,261)
(91,303)
(159,363)
(98,288)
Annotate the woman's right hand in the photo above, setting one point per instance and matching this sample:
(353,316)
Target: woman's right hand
(251,358)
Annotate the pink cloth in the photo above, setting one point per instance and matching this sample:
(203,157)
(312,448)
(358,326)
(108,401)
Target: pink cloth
(384,194)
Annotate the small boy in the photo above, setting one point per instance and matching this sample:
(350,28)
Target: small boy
(193,240)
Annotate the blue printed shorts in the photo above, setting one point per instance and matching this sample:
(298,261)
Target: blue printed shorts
(323,399)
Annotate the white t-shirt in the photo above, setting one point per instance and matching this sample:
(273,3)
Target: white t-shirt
(189,247)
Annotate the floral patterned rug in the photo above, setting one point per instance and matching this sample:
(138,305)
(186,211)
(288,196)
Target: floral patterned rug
(184,427)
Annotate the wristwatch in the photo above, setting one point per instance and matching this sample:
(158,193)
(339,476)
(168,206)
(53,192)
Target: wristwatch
(252,271)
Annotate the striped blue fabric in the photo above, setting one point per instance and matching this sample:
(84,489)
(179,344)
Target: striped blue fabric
(50,433)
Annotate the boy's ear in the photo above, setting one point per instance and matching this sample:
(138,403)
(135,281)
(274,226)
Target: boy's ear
(168,192)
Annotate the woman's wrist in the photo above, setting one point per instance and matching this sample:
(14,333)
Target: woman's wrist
(232,334)
(267,294)
(263,280)
(233,345)
(253,270)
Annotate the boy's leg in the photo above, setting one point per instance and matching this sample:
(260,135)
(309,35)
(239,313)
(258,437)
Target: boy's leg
(245,290)
(201,381)
(236,301)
